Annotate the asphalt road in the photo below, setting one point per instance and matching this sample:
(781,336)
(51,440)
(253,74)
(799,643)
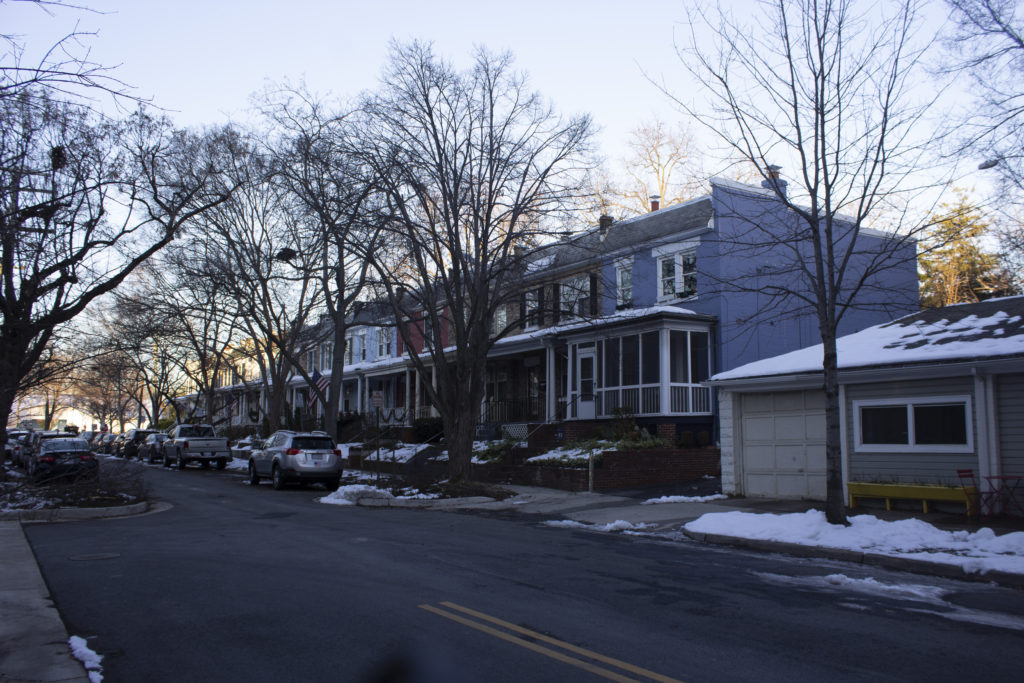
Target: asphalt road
(236,584)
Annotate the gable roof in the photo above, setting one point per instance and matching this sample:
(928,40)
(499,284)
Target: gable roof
(987,330)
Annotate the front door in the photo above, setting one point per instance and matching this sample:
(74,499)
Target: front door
(586,360)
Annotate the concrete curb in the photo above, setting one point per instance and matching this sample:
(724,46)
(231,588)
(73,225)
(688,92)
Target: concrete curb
(422,503)
(73,514)
(904,564)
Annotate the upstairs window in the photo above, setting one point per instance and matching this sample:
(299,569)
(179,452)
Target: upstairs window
(574,296)
(624,285)
(311,359)
(531,308)
(678,275)
(326,355)
(383,342)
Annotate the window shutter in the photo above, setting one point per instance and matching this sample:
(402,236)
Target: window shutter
(540,306)
(593,294)
(556,305)
(523,322)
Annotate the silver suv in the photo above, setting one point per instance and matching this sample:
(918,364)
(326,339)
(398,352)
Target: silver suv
(302,457)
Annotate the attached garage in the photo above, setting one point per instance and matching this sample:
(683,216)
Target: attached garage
(781,439)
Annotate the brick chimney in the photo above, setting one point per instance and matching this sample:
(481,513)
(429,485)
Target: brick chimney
(774,182)
(603,223)
(655,202)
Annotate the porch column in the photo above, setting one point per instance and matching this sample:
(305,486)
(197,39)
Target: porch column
(664,352)
(570,381)
(550,390)
(359,394)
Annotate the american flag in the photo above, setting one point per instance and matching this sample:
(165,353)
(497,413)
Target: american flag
(322,383)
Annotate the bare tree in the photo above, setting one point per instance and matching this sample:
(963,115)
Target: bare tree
(262,256)
(84,201)
(472,165)
(328,183)
(814,84)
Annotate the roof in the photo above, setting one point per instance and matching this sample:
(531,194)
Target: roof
(622,235)
(987,330)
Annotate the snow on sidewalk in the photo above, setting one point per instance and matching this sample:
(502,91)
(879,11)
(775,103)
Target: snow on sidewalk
(974,552)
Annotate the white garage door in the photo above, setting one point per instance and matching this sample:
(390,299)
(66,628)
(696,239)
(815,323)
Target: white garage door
(783,444)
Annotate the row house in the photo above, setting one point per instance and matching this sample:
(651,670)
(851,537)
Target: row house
(631,317)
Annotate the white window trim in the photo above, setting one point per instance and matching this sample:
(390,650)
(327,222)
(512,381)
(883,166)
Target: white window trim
(912,447)
(623,265)
(677,259)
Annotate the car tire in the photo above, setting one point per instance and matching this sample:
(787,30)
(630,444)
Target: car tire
(222,463)
(181,461)
(206,464)
(254,479)
(167,460)
(277,478)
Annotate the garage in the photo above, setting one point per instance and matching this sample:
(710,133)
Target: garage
(782,444)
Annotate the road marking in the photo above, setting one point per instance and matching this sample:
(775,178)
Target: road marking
(540,649)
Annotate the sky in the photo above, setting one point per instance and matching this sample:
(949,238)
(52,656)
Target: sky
(203,59)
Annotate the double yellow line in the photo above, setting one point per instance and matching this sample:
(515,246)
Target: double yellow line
(474,619)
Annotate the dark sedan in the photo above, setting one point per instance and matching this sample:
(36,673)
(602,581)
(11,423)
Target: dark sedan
(62,457)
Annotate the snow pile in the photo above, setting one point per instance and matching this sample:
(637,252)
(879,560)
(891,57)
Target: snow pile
(975,552)
(348,495)
(617,525)
(89,659)
(684,499)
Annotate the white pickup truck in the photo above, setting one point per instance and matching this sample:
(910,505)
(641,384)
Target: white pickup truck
(187,443)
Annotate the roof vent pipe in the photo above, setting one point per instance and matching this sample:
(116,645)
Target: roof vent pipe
(655,202)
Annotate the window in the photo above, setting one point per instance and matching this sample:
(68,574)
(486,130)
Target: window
(360,345)
(930,424)
(383,342)
(574,296)
(531,308)
(500,320)
(327,355)
(349,349)
(678,275)
(624,285)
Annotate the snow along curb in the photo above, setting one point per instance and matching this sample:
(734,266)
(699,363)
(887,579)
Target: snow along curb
(904,564)
(73,514)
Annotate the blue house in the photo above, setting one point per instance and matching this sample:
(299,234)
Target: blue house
(633,317)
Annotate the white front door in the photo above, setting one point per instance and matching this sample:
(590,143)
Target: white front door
(586,361)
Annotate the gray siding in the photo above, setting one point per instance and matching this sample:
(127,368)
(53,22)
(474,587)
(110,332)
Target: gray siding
(1010,412)
(907,468)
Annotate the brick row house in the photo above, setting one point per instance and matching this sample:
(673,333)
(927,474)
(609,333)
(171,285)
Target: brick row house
(631,317)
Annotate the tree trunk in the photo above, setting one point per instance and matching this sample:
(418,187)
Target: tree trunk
(835,501)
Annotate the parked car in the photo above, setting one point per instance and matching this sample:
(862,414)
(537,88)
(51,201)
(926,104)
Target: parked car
(13,443)
(151,449)
(32,441)
(302,457)
(106,443)
(244,447)
(65,456)
(94,442)
(187,443)
(128,447)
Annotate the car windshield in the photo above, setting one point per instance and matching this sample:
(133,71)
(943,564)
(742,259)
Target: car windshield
(196,430)
(140,436)
(63,445)
(310,443)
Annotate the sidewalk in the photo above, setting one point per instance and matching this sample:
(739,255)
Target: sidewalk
(607,512)
(34,641)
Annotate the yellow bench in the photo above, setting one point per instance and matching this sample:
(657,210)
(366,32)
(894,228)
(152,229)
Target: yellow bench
(922,492)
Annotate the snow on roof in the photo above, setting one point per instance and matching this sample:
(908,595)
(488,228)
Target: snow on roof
(617,316)
(989,329)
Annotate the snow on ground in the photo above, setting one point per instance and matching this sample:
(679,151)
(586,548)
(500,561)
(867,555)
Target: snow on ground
(89,659)
(684,499)
(570,455)
(975,552)
(401,452)
(617,525)
(348,495)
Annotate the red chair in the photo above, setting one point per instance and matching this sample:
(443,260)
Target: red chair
(980,503)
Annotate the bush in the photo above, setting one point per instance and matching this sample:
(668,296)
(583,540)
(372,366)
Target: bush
(428,428)
(236,432)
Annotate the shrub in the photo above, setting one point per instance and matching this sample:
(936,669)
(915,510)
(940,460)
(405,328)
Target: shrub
(703,438)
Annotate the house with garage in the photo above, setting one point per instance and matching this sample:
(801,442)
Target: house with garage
(921,398)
